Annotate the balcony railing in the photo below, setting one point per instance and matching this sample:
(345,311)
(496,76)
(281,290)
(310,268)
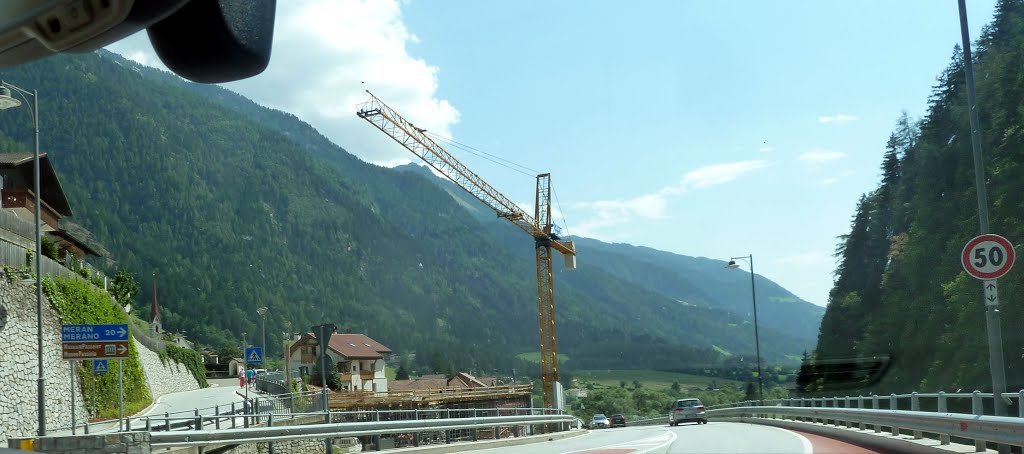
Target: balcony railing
(24,198)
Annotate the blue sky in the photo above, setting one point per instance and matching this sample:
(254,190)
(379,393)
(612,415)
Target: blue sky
(703,128)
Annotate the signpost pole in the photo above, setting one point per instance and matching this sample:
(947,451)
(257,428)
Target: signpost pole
(73,396)
(995,335)
(120,394)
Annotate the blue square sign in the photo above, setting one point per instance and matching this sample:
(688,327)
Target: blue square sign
(254,355)
(99,366)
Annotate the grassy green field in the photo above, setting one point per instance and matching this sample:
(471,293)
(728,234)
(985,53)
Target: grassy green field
(648,378)
(534,357)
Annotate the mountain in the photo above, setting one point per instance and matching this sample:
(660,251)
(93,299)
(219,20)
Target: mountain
(228,206)
(900,290)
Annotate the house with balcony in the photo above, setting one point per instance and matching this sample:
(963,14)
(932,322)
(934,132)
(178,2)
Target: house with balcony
(17,212)
(358,359)
(16,190)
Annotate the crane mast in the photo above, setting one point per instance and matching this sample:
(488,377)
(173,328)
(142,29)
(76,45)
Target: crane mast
(539,226)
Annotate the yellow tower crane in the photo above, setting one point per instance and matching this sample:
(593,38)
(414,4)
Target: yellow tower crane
(539,226)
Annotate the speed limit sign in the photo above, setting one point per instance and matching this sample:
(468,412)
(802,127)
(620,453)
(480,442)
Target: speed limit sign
(987,256)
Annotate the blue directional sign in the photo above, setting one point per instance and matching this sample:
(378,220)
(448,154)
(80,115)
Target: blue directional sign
(93,333)
(99,366)
(254,355)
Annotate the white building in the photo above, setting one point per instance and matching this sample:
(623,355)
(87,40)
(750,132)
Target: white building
(358,360)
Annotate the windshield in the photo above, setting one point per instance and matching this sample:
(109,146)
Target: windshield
(589,208)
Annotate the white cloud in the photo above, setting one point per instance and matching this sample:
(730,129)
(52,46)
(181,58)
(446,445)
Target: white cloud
(607,213)
(766,149)
(821,156)
(323,52)
(837,118)
(716,174)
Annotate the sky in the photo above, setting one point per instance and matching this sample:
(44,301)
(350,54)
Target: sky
(703,128)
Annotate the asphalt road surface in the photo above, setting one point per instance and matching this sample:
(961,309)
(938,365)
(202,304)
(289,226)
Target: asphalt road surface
(714,437)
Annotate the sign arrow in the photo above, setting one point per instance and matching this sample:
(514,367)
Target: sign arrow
(990,286)
(122,349)
(991,297)
(123,332)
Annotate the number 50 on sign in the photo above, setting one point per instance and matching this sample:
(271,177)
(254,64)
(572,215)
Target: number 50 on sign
(988,256)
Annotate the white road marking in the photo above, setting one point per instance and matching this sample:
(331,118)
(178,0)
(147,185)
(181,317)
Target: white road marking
(643,445)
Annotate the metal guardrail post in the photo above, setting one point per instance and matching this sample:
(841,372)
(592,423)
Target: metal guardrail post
(1020,403)
(894,405)
(874,406)
(376,438)
(943,438)
(835,404)
(846,404)
(167,422)
(979,409)
(216,417)
(860,404)
(915,405)
(328,448)
(270,423)
(234,412)
(149,426)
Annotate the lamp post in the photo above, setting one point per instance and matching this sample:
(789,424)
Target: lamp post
(6,102)
(757,337)
(263,315)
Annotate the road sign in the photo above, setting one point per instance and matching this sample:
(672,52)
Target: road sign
(99,366)
(93,333)
(95,350)
(987,256)
(991,293)
(254,355)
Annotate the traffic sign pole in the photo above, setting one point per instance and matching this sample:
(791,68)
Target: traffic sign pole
(73,397)
(995,335)
(120,394)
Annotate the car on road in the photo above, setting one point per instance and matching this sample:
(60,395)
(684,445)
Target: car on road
(618,421)
(600,421)
(687,410)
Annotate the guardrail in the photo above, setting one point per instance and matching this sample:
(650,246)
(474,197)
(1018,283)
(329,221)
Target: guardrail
(964,416)
(371,428)
(975,402)
(981,428)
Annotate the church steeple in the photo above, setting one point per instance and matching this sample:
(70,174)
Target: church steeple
(154,317)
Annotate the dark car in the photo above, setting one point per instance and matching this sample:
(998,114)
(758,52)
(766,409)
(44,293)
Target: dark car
(618,421)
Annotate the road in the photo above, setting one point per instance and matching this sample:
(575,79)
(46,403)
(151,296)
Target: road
(714,437)
(221,392)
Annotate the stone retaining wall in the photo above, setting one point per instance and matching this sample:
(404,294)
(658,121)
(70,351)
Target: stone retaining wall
(164,379)
(18,365)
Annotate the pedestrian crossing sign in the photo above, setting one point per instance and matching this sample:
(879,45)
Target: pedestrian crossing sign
(254,355)
(99,366)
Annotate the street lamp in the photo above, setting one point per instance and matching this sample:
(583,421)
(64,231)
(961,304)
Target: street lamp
(6,102)
(263,314)
(757,338)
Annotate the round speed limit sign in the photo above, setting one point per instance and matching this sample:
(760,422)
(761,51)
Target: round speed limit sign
(987,256)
